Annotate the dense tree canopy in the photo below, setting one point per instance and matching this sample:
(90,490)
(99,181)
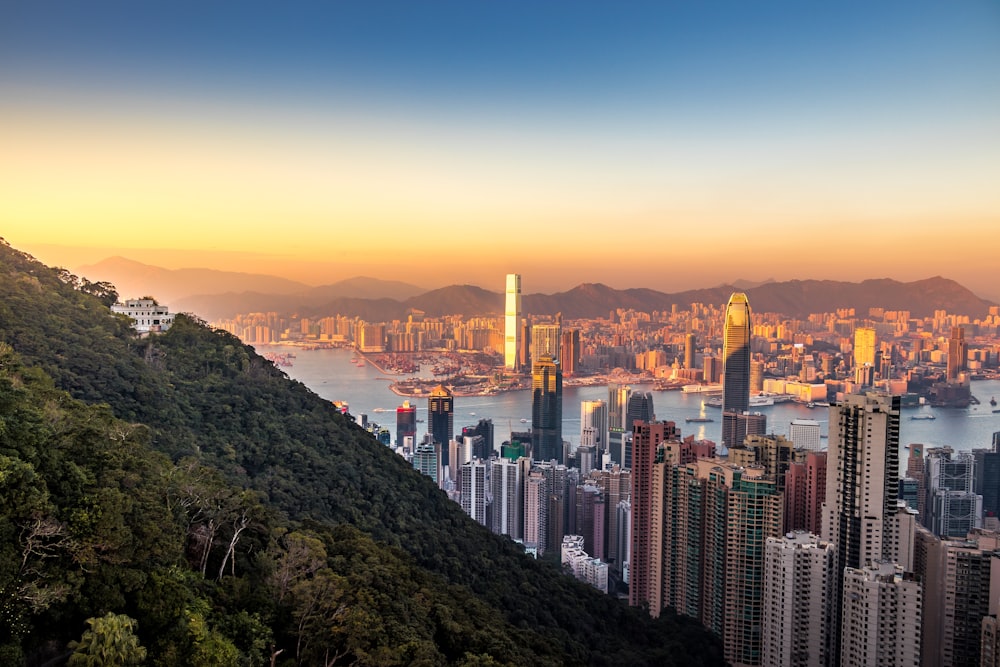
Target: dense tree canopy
(184,485)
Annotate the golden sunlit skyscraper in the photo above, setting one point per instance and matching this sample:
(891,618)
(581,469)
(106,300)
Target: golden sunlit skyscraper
(735,368)
(546,410)
(512,321)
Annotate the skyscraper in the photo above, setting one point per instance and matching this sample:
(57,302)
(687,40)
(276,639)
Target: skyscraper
(861,489)
(546,410)
(441,415)
(797,600)
(735,368)
(569,351)
(689,342)
(512,321)
(406,423)
(594,414)
(648,437)
(617,405)
(881,617)
(545,341)
(957,350)
(864,347)
(508,498)
(474,501)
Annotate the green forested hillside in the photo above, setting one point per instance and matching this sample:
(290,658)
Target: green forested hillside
(184,482)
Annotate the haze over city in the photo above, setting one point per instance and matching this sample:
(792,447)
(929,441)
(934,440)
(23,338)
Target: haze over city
(663,145)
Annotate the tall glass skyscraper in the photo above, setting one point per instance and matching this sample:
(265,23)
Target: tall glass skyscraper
(546,410)
(512,321)
(735,368)
(441,414)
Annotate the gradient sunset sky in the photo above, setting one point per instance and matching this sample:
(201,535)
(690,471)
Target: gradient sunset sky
(663,145)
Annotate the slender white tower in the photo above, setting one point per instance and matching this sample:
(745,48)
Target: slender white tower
(512,321)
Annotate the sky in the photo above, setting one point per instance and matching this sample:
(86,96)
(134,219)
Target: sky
(664,145)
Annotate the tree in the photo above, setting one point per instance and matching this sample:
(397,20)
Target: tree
(111,640)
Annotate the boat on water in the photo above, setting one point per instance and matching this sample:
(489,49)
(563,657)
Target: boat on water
(993,401)
(524,421)
(925,416)
(699,420)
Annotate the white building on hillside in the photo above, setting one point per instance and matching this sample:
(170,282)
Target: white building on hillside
(146,314)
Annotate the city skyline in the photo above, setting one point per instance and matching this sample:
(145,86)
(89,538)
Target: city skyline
(321,142)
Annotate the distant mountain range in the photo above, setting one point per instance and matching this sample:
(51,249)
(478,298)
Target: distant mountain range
(215,295)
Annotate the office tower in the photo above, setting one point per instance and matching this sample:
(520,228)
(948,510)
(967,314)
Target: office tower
(908,491)
(441,417)
(862,469)
(750,423)
(640,408)
(546,410)
(512,321)
(484,429)
(570,351)
(647,437)
(689,350)
(881,617)
(987,480)
(427,460)
(735,368)
(524,345)
(544,342)
(594,414)
(507,508)
(915,470)
(864,347)
(805,433)
(474,501)
(805,491)
(406,423)
(587,458)
(556,485)
(756,377)
(953,510)
(617,405)
(536,512)
(798,600)
(712,370)
(957,351)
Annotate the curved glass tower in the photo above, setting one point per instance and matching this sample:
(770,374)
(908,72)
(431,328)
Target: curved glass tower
(735,368)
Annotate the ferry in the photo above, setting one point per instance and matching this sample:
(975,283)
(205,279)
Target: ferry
(699,420)
(925,416)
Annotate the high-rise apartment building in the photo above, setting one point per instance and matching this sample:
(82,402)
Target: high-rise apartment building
(512,321)
(507,507)
(441,418)
(536,512)
(797,601)
(427,460)
(546,410)
(861,489)
(647,437)
(474,501)
(805,491)
(735,368)
(881,617)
